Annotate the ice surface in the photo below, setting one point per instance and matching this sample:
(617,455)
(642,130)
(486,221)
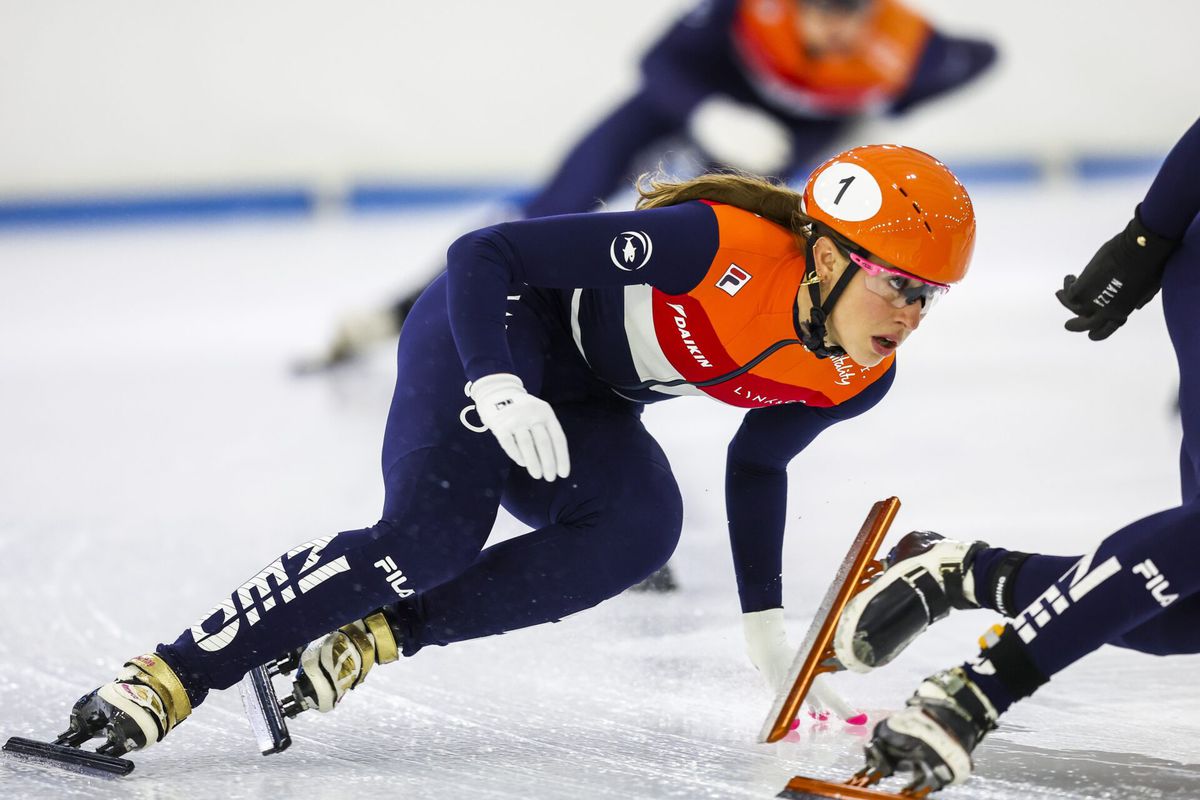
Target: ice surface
(156,452)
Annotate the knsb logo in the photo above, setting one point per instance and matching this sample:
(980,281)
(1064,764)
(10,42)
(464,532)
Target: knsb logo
(282,580)
(634,249)
(1085,577)
(733,280)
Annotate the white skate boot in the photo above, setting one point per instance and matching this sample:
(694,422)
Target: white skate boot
(927,575)
(356,334)
(335,664)
(934,736)
(144,704)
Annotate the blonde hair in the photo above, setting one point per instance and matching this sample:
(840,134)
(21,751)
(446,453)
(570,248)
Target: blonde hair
(768,199)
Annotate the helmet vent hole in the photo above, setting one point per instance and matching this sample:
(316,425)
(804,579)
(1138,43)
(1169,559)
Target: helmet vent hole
(927,226)
(900,189)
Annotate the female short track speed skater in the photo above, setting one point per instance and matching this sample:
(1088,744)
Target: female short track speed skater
(1139,589)
(765,86)
(521,376)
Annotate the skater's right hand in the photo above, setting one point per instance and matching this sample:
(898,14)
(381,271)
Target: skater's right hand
(772,655)
(525,426)
(1124,275)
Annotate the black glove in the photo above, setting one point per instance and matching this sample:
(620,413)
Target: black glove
(1124,275)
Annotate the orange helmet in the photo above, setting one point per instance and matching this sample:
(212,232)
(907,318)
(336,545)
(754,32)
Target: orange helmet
(899,204)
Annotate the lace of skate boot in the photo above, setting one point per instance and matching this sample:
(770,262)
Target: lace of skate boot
(952,569)
(144,703)
(927,576)
(339,662)
(934,736)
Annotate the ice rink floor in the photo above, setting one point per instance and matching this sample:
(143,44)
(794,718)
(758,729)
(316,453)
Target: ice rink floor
(155,452)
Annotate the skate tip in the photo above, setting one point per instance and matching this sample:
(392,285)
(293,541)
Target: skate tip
(318,365)
(858,719)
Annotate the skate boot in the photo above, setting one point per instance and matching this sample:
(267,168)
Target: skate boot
(356,334)
(144,703)
(927,575)
(661,581)
(335,664)
(934,736)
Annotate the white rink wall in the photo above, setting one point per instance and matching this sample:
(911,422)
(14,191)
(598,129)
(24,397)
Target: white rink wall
(154,95)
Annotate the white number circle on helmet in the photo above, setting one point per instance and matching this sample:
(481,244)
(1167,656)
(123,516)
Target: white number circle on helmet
(847,191)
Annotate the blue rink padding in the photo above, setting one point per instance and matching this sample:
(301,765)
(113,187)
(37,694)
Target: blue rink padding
(157,207)
(380,196)
(383,196)
(1109,167)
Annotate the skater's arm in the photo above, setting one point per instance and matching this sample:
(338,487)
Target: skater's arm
(947,63)
(670,248)
(756,483)
(684,66)
(1173,201)
(1126,272)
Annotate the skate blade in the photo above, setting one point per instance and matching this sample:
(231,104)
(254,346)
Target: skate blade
(263,712)
(317,365)
(801,788)
(815,655)
(87,762)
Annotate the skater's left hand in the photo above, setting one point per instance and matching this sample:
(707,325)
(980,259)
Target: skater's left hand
(525,426)
(1124,275)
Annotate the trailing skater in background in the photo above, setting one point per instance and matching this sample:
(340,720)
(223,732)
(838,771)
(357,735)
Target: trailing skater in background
(763,86)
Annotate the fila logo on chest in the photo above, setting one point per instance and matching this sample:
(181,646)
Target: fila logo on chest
(733,280)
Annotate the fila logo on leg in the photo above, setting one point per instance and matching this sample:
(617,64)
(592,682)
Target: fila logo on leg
(1157,583)
(395,576)
(733,280)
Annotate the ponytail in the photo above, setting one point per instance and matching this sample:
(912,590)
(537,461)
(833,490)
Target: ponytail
(768,199)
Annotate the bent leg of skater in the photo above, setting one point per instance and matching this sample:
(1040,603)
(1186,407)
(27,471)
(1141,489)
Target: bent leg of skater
(603,159)
(612,523)
(1173,632)
(443,484)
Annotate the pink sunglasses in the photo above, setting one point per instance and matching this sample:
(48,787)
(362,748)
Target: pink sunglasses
(898,287)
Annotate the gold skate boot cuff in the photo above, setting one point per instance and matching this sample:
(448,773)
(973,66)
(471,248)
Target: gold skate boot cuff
(360,640)
(159,677)
(386,650)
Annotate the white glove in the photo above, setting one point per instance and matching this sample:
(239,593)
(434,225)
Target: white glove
(772,655)
(524,425)
(767,645)
(740,136)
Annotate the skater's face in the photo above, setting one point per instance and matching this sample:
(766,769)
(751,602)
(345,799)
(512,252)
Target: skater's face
(867,325)
(828,30)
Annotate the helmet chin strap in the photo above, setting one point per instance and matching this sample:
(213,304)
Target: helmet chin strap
(812,332)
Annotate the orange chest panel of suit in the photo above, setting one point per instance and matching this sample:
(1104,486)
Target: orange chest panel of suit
(767,37)
(734,337)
